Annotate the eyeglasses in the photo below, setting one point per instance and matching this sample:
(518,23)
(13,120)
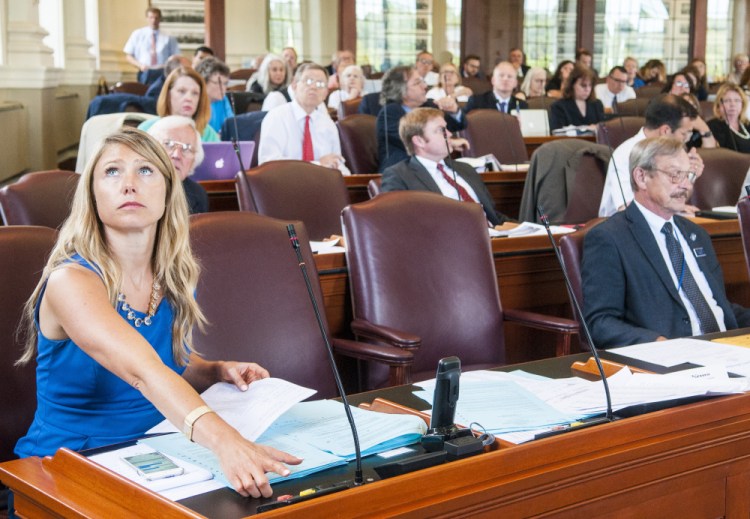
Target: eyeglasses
(683,84)
(727,101)
(317,83)
(678,176)
(621,81)
(424,61)
(223,82)
(187,149)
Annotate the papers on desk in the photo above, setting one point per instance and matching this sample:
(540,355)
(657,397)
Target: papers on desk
(326,246)
(734,359)
(530,229)
(318,432)
(573,131)
(516,406)
(729,209)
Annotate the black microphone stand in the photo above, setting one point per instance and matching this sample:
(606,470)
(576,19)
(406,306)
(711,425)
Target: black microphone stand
(614,162)
(609,416)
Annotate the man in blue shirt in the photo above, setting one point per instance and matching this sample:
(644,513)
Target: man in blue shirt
(148,48)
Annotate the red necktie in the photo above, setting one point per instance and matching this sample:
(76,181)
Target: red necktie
(465,196)
(308,155)
(153,48)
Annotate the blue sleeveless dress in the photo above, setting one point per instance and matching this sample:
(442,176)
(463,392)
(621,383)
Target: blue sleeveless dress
(81,405)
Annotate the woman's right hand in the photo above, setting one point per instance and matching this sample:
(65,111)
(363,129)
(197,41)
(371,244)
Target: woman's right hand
(245,464)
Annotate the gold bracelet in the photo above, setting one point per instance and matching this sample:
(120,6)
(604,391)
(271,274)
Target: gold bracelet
(193,417)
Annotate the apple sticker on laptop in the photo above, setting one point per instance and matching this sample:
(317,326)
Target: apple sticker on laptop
(219,164)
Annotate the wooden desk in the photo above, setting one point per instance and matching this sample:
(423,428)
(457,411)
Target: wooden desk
(690,461)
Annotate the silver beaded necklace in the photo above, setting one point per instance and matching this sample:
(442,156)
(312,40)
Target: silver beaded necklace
(152,305)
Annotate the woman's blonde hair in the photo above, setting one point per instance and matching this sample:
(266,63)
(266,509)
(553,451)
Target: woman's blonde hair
(164,104)
(722,93)
(172,260)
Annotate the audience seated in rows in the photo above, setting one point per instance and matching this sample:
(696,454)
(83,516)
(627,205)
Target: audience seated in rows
(351,86)
(449,85)
(504,83)
(578,106)
(274,75)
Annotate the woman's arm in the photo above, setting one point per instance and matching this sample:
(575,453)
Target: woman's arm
(202,374)
(76,305)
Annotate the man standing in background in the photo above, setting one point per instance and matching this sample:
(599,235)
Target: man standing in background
(148,48)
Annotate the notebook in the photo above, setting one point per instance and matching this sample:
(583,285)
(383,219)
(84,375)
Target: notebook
(534,123)
(220,160)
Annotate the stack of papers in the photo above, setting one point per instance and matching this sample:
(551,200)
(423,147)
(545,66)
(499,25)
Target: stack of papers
(530,229)
(572,131)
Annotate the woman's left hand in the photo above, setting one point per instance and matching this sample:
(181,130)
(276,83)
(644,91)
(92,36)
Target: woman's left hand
(241,373)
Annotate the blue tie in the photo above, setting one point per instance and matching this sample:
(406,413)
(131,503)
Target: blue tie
(503,106)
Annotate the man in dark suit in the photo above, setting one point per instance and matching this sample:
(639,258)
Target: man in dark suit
(649,274)
(504,83)
(403,91)
(423,132)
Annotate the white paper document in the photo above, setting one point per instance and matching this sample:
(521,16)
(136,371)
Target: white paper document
(530,229)
(250,412)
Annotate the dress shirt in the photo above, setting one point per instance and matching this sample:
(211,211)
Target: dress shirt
(619,167)
(139,46)
(606,97)
(445,187)
(656,223)
(283,129)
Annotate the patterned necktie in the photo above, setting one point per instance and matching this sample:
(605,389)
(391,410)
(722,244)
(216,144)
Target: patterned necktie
(308,155)
(503,106)
(465,196)
(153,48)
(705,315)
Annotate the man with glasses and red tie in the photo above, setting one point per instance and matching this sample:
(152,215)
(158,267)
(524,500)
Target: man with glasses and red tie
(424,134)
(649,274)
(301,129)
(148,48)
(615,90)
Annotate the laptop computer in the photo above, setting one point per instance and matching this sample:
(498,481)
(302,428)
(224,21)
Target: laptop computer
(534,123)
(220,160)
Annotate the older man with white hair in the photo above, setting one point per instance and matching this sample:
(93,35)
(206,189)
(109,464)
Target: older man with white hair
(182,141)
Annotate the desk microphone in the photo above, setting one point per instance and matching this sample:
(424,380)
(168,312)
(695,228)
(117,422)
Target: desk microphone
(358,478)
(236,137)
(609,416)
(605,131)
(509,140)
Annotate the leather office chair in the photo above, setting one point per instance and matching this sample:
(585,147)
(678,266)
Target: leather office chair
(295,190)
(490,131)
(706,110)
(571,250)
(422,278)
(617,130)
(349,107)
(635,106)
(359,143)
(721,182)
(540,103)
(373,187)
(588,185)
(23,254)
(242,73)
(478,85)
(255,299)
(650,90)
(39,198)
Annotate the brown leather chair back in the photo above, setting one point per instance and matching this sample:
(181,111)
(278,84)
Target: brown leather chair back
(295,190)
(130,87)
(617,130)
(39,198)
(23,254)
(721,182)
(255,299)
(373,187)
(571,250)
(422,263)
(707,110)
(650,90)
(540,103)
(477,85)
(359,143)
(635,106)
(490,131)
(349,107)
(242,73)
(743,211)
(583,201)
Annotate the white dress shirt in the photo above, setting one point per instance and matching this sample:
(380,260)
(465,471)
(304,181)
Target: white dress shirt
(139,46)
(619,168)
(656,223)
(445,187)
(283,130)
(606,97)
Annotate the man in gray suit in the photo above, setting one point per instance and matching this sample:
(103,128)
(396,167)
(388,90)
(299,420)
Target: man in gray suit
(649,274)
(423,132)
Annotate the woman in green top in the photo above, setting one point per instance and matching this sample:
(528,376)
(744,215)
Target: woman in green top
(184,93)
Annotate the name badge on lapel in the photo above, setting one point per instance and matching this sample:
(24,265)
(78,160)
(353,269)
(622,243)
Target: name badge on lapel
(699,252)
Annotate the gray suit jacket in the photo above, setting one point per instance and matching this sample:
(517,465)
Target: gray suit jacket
(410,174)
(628,294)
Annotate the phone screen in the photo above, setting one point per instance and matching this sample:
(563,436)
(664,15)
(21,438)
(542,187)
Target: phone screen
(153,465)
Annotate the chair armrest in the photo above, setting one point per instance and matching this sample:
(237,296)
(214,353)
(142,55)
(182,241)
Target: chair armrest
(541,321)
(375,352)
(363,328)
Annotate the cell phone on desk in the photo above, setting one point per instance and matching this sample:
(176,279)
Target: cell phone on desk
(153,465)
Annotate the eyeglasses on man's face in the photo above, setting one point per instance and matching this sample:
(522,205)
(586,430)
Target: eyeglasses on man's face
(186,149)
(314,82)
(678,176)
